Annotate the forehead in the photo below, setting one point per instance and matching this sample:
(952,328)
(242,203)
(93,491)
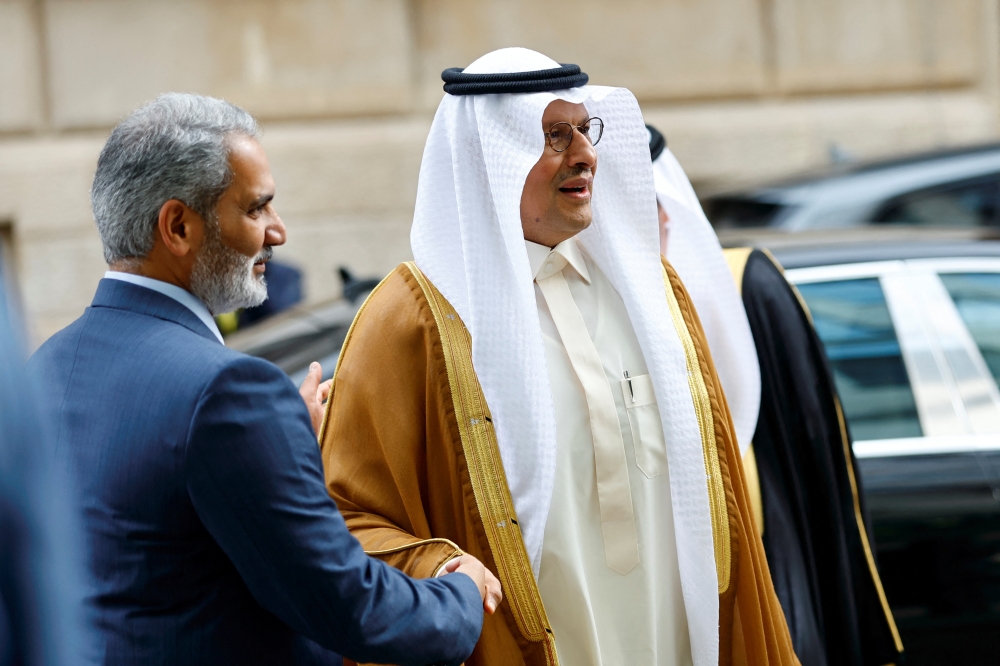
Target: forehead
(248,161)
(561,111)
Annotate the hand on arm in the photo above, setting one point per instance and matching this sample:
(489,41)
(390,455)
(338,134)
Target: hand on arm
(489,586)
(254,476)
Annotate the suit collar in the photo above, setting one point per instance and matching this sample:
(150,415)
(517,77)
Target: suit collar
(120,295)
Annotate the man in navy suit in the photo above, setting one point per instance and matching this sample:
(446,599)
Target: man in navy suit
(211,537)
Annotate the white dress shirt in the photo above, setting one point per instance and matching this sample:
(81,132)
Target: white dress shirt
(182,296)
(601,617)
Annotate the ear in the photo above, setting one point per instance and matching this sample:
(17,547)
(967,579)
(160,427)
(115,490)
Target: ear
(181,228)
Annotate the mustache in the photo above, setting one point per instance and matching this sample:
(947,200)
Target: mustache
(573,172)
(264,255)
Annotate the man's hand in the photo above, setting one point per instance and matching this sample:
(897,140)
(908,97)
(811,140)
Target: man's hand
(489,586)
(315,394)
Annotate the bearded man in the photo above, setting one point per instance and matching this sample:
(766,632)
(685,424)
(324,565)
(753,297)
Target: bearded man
(535,389)
(211,537)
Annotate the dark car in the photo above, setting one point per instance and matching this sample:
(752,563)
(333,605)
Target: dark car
(912,331)
(953,188)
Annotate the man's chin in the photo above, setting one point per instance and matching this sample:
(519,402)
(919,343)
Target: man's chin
(578,217)
(580,222)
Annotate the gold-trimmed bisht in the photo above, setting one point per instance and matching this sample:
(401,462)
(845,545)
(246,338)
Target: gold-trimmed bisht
(486,472)
(706,425)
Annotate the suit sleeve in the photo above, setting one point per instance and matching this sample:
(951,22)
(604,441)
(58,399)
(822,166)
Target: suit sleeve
(256,481)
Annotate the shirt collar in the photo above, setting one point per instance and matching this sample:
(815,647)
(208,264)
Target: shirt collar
(568,250)
(182,296)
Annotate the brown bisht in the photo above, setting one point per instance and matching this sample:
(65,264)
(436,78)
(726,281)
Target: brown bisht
(815,528)
(411,458)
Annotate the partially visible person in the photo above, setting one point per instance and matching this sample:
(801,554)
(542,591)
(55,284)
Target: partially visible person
(816,530)
(797,453)
(41,580)
(689,243)
(211,537)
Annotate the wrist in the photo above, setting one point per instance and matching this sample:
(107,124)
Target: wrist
(442,570)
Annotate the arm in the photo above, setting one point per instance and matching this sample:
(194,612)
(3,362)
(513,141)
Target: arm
(255,478)
(388,449)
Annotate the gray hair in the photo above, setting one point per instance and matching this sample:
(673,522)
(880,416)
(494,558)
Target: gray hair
(171,148)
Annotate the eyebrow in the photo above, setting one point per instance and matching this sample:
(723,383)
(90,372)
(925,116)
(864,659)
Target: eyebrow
(260,201)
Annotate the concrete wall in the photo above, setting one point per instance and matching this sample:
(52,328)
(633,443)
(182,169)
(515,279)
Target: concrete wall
(745,90)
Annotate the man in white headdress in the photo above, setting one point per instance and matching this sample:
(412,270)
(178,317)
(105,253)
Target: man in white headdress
(535,390)
(800,471)
(690,244)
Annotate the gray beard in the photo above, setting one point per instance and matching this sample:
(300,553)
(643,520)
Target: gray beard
(223,279)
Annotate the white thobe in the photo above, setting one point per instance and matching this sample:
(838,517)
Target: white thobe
(601,617)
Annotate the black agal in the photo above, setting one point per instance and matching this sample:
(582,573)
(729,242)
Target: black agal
(456,82)
(657,142)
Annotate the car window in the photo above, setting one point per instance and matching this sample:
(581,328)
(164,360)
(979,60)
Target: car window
(852,319)
(977,297)
(733,212)
(967,204)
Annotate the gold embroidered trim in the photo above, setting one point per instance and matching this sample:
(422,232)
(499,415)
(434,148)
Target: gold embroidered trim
(347,338)
(861,528)
(415,544)
(486,472)
(706,424)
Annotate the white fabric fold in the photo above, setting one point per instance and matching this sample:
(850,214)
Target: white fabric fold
(467,239)
(621,544)
(694,251)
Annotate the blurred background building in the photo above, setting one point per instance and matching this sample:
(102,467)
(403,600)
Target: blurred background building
(745,90)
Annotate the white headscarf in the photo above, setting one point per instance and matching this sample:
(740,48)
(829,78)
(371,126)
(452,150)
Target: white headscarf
(693,250)
(467,238)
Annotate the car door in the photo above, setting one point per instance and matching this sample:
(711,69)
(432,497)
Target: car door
(923,408)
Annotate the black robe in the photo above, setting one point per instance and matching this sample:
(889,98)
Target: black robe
(821,563)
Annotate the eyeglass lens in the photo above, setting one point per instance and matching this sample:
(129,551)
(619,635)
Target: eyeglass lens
(561,134)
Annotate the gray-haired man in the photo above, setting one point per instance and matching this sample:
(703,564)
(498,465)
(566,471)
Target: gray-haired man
(211,537)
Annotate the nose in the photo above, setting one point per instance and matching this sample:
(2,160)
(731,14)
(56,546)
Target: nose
(275,233)
(581,152)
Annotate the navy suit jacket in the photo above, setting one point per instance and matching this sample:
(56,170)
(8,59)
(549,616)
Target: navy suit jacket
(211,536)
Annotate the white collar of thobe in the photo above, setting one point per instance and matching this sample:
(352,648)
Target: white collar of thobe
(568,250)
(182,296)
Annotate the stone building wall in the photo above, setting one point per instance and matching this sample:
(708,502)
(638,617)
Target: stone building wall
(745,90)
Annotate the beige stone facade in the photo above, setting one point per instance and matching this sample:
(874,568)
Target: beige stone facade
(745,90)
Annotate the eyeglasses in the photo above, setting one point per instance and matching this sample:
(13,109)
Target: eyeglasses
(560,135)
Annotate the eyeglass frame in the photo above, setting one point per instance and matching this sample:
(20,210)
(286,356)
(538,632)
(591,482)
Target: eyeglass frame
(577,128)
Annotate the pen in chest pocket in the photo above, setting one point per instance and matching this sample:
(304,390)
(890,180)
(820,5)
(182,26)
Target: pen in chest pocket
(630,391)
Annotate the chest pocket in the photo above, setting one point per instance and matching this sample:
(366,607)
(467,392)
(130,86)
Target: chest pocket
(644,419)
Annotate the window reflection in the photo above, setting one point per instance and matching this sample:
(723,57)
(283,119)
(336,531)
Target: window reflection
(966,204)
(977,297)
(852,319)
